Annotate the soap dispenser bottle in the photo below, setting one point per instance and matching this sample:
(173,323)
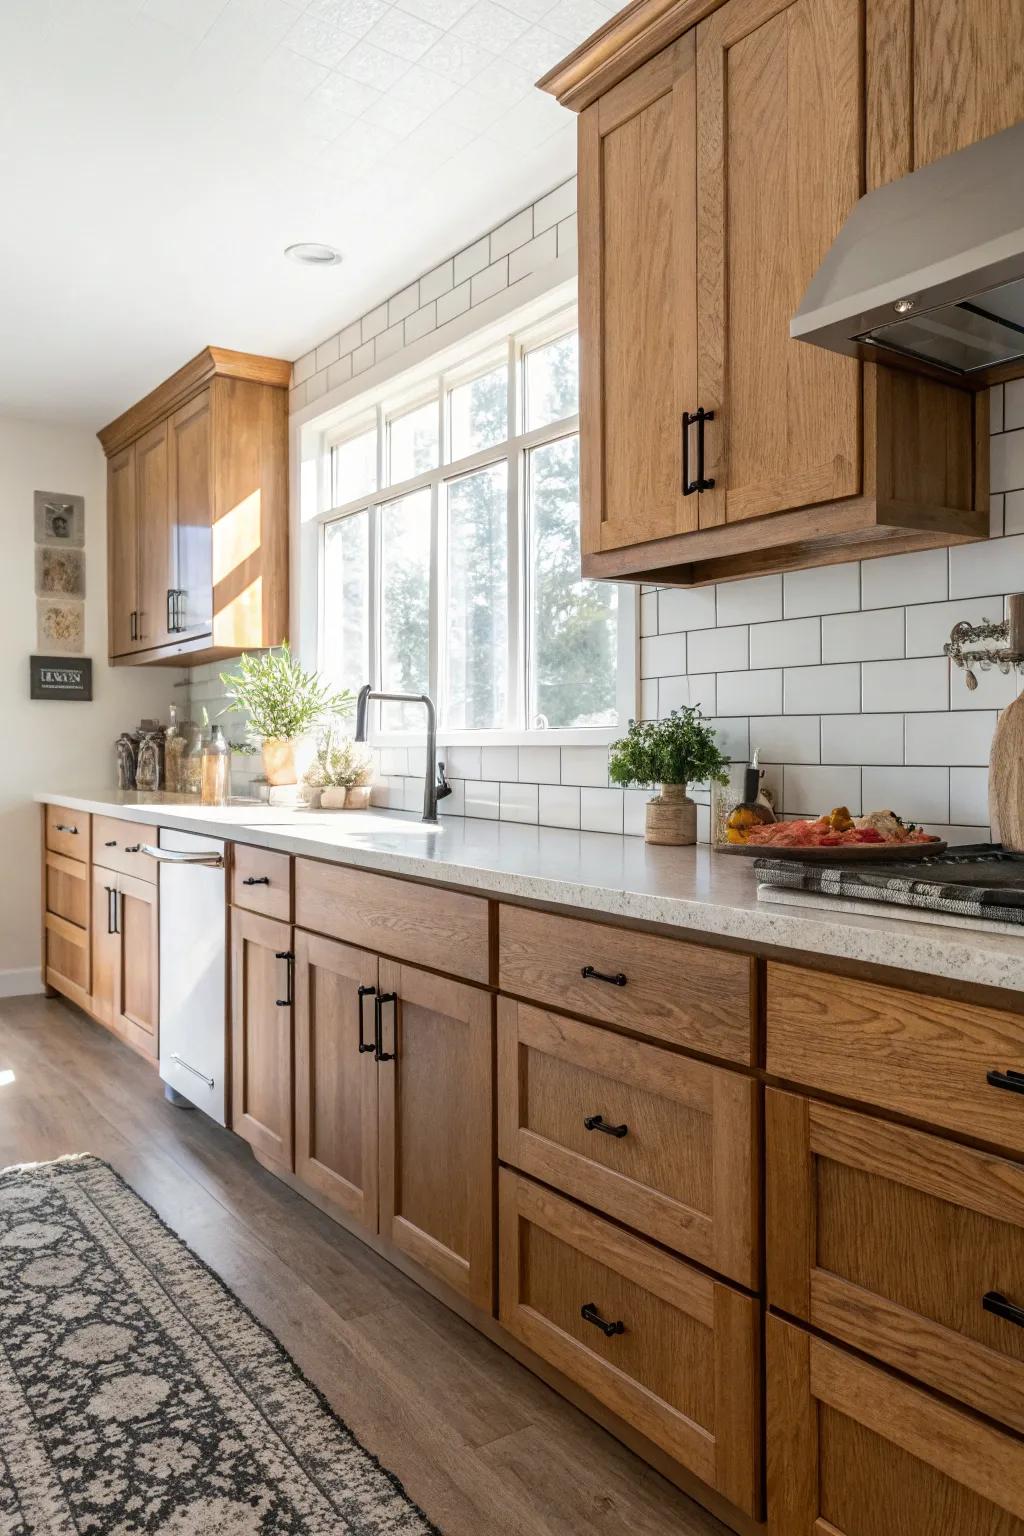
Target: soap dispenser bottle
(216,768)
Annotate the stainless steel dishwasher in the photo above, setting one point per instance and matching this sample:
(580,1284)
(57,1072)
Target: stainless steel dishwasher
(193,969)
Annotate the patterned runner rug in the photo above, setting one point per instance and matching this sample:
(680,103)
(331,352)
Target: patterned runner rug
(137,1394)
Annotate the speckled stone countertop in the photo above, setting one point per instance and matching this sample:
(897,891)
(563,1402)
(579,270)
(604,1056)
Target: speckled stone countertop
(688,888)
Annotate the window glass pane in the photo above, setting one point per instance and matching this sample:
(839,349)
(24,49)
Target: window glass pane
(412,443)
(574,634)
(478,414)
(476,618)
(346,630)
(405,605)
(354,468)
(552,381)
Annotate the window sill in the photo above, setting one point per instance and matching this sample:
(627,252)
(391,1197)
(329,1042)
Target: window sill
(602,736)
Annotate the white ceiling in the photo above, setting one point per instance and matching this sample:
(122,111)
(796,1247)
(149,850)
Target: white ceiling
(156,156)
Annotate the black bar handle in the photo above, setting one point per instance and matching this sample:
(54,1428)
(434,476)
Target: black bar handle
(696,418)
(590,974)
(179,610)
(997,1304)
(133,619)
(1013,1082)
(110,910)
(170,611)
(288,955)
(599,1123)
(380,1054)
(590,1314)
(365,992)
(703,416)
(256,880)
(133,847)
(688,486)
(63,827)
(117,914)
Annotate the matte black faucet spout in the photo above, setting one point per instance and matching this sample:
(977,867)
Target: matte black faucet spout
(432,789)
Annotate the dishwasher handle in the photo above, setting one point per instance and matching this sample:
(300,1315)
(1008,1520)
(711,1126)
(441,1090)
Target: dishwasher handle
(172,856)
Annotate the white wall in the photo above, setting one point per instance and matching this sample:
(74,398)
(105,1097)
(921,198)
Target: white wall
(46,744)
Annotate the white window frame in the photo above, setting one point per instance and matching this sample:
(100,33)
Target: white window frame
(518,334)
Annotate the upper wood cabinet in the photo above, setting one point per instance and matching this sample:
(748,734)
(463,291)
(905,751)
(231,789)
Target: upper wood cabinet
(721,148)
(197,522)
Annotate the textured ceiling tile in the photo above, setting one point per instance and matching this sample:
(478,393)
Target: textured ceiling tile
(272,18)
(353,16)
(400,116)
(192,18)
(469,109)
(340,95)
(456,58)
(424,85)
(537,51)
(576,19)
(490,25)
(443,13)
(322,41)
(372,66)
(408,36)
(504,82)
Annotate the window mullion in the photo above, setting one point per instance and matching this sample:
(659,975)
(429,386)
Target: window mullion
(515,706)
(437,600)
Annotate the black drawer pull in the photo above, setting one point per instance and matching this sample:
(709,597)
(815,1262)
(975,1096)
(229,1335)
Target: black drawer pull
(997,1304)
(589,974)
(380,1054)
(256,880)
(63,827)
(365,992)
(590,1314)
(288,955)
(599,1123)
(111,844)
(133,848)
(1012,1081)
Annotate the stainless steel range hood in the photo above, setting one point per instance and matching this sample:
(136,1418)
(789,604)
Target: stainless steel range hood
(929,270)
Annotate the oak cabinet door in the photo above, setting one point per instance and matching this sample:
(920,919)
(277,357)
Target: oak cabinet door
(105,945)
(336,1074)
(261,963)
(190,511)
(968,76)
(155,540)
(122,553)
(853,1451)
(436,1126)
(638,302)
(780,124)
(136,990)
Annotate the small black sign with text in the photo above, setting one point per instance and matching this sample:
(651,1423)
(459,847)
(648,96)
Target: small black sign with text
(60,677)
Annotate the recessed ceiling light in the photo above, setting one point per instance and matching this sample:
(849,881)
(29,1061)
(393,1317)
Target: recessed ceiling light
(309,253)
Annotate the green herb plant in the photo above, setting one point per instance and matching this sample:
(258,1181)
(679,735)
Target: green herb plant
(281,698)
(680,750)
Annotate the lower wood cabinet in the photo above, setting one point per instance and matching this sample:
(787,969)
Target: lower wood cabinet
(670,1350)
(393,1104)
(66,912)
(261,1035)
(853,1451)
(125,958)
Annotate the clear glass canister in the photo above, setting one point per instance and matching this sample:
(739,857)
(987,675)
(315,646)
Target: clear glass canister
(175,747)
(147,771)
(192,764)
(216,768)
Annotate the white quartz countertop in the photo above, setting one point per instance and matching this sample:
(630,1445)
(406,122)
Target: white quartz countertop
(689,888)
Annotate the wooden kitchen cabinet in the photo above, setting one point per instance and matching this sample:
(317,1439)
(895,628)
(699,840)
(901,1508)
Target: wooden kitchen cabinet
(715,169)
(197,513)
(261,1037)
(125,950)
(105,946)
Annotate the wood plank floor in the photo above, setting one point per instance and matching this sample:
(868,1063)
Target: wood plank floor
(483,1446)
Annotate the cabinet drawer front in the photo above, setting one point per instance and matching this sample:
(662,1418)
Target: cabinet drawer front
(67,954)
(686,993)
(926,1057)
(117,845)
(682,1368)
(853,1450)
(890,1238)
(261,881)
(67,889)
(421,923)
(67,832)
(672,1152)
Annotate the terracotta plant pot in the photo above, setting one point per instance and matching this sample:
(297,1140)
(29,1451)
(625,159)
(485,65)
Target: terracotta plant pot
(358,797)
(334,797)
(671,818)
(279,760)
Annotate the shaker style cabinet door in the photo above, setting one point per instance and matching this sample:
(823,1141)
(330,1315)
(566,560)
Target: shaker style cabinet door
(967,79)
(190,483)
(638,303)
(136,991)
(155,538)
(122,554)
(336,1074)
(105,945)
(780,130)
(261,991)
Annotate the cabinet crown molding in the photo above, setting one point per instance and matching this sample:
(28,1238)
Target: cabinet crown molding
(618,48)
(211,362)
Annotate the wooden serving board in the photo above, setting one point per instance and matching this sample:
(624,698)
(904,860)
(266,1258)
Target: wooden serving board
(1006,778)
(852,853)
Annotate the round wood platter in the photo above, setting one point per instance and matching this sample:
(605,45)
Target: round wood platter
(851,853)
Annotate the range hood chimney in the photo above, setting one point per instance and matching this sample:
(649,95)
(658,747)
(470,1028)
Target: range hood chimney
(929,270)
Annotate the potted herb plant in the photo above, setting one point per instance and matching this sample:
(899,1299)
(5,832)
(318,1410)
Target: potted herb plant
(284,703)
(341,774)
(670,754)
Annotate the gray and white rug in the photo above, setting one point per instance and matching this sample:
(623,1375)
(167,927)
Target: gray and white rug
(137,1394)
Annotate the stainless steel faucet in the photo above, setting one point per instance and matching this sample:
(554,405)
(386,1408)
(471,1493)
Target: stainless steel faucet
(435,785)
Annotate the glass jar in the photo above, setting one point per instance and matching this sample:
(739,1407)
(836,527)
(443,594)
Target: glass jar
(192,763)
(147,769)
(175,747)
(215,771)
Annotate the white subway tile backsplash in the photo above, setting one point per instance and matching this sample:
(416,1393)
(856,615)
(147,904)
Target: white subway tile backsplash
(786,738)
(906,685)
(440,280)
(994,691)
(1013,512)
(421,323)
(929,624)
(1007,465)
(634,811)
(686,608)
(559,805)
(827,589)
(968,796)
(585,765)
(533,255)
(810,791)
(750,693)
(559,204)
(701,690)
(995,567)
(490,281)
(482,798)
(922,577)
(875,636)
(733,733)
(862,739)
(375,322)
(540,765)
(831,690)
(473,259)
(499,762)
(601,810)
(461,762)
(716,650)
(514,232)
(403,304)
(786,643)
(926,790)
(451,305)
(648,707)
(753,601)
(327,352)
(948,737)
(649,613)
(995,409)
(518,802)
(662,655)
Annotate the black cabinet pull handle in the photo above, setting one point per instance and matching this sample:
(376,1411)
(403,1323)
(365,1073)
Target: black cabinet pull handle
(1013,1082)
(589,974)
(112,843)
(697,418)
(365,992)
(256,880)
(133,619)
(117,911)
(110,909)
(133,848)
(288,955)
(63,827)
(379,1053)
(590,1314)
(997,1304)
(170,611)
(599,1123)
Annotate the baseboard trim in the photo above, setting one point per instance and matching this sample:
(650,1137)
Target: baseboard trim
(26,982)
